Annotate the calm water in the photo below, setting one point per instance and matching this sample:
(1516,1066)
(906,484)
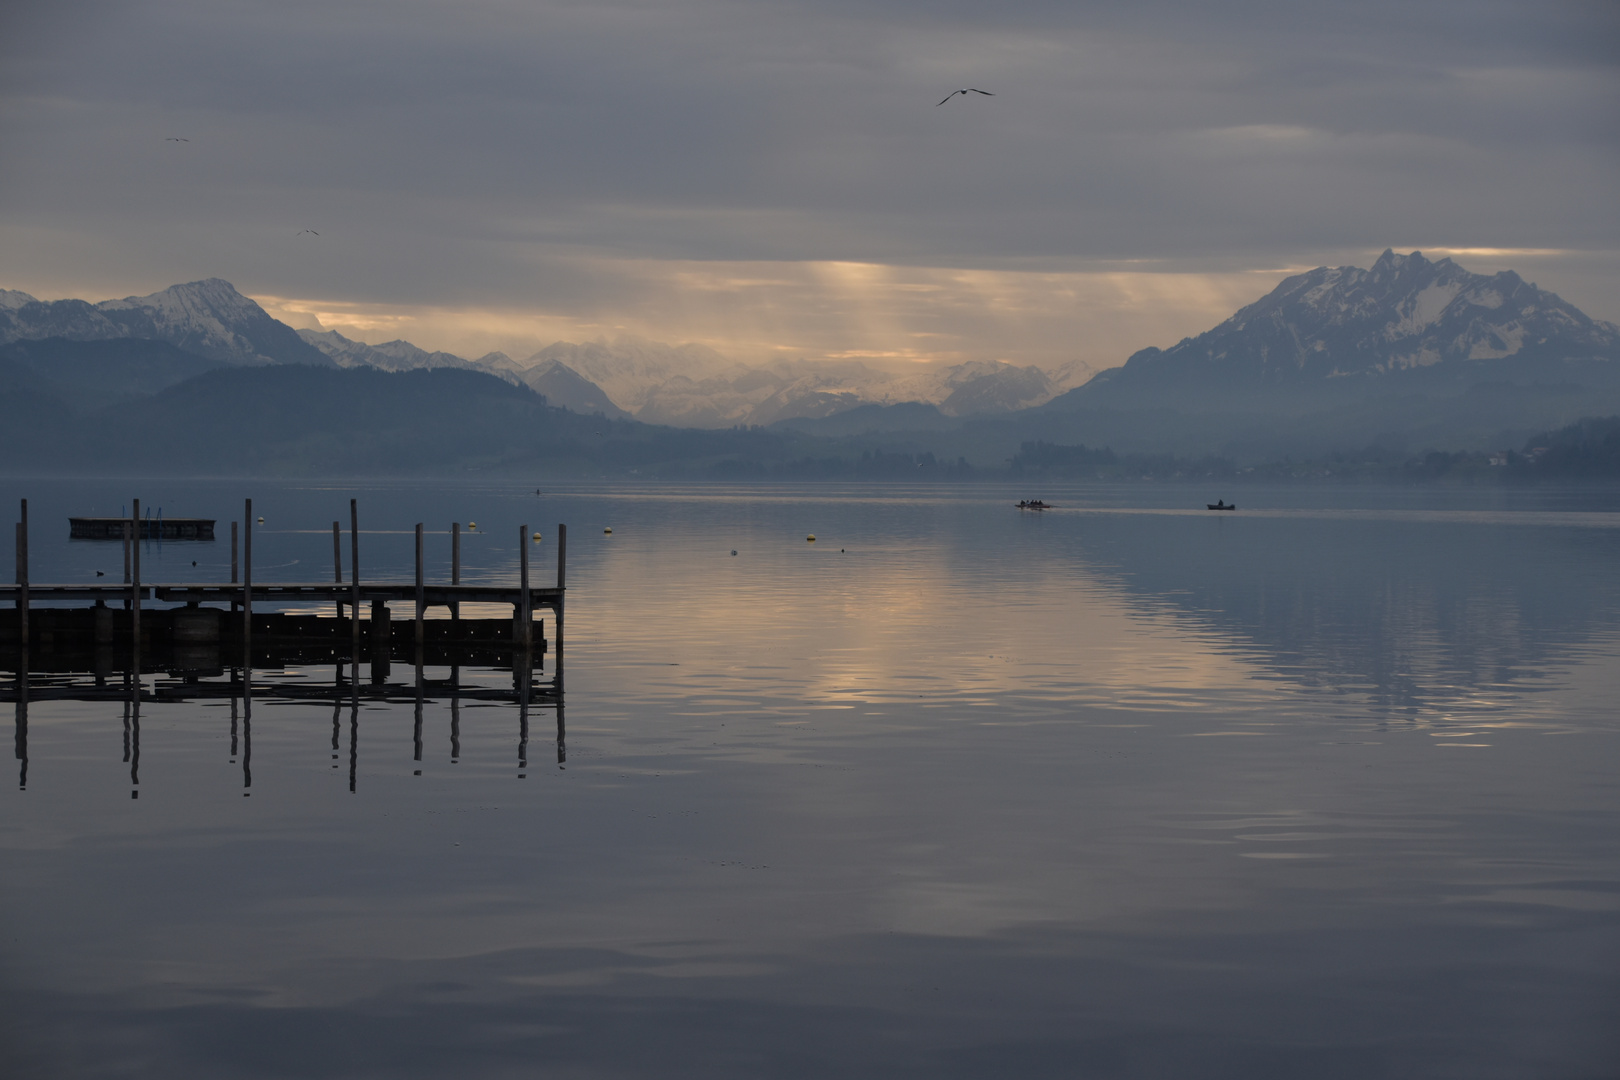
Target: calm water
(1323,788)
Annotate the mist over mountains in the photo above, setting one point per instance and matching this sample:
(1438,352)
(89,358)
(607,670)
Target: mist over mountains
(1405,357)
(694,386)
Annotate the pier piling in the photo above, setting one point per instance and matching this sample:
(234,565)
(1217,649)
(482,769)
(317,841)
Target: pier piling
(337,561)
(135,582)
(354,571)
(22,575)
(562,574)
(421,594)
(526,611)
(247,574)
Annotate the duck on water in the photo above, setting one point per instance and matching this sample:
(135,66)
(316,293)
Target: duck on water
(1033,504)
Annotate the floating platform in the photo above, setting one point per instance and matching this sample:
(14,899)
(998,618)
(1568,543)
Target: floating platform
(112,528)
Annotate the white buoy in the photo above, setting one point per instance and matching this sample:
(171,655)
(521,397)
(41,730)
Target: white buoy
(607,532)
(811,538)
(537,538)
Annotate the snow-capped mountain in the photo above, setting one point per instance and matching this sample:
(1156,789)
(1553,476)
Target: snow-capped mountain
(1406,322)
(693,386)
(629,369)
(390,355)
(563,386)
(207,318)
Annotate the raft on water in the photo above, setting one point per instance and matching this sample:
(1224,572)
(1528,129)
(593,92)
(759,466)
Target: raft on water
(112,528)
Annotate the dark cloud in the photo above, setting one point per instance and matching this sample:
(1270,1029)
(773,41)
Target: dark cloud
(444,149)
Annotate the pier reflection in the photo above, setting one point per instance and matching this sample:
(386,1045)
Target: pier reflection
(347,690)
(21,724)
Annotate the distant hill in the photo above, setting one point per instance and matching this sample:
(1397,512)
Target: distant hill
(207,318)
(1406,326)
(87,375)
(298,420)
(1589,448)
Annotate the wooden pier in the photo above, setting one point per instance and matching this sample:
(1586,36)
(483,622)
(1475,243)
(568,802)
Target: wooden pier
(209,639)
(222,614)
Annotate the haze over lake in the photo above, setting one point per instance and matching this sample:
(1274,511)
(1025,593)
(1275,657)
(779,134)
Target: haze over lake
(1323,787)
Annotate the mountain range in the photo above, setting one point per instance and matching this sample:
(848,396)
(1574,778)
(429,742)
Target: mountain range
(694,386)
(1407,355)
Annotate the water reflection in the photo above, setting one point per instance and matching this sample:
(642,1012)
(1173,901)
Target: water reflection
(240,686)
(957,793)
(1429,615)
(20,724)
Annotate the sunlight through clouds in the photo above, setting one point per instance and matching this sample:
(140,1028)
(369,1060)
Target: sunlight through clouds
(887,316)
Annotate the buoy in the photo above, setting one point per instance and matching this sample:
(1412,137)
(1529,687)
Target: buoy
(607,531)
(472,524)
(811,538)
(261,521)
(537,538)
(733,551)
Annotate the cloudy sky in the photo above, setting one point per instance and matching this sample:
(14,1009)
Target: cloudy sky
(773,177)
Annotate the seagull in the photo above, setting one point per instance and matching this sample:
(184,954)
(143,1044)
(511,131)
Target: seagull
(172,138)
(965,90)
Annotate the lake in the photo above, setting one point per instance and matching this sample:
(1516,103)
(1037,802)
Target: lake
(1324,787)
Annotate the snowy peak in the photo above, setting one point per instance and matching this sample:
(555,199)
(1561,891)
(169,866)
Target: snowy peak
(210,318)
(206,318)
(561,385)
(1358,327)
(629,369)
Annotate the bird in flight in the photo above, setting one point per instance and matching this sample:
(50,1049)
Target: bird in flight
(965,90)
(172,138)
(311,232)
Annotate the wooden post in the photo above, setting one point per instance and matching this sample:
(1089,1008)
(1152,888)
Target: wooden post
(354,573)
(525,609)
(420,595)
(135,584)
(455,565)
(562,586)
(337,561)
(247,583)
(22,576)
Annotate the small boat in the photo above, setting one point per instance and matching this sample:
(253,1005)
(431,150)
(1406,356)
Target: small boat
(1221,505)
(1033,504)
